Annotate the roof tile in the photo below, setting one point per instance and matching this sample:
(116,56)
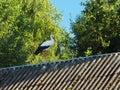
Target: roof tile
(84,73)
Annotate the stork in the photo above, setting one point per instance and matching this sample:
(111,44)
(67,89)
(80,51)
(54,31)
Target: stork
(45,45)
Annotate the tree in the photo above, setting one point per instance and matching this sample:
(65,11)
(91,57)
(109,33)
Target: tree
(97,30)
(24,25)
(65,47)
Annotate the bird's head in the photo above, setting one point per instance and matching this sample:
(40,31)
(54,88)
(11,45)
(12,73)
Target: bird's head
(52,37)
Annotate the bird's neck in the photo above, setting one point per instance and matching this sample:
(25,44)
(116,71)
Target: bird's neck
(52,39)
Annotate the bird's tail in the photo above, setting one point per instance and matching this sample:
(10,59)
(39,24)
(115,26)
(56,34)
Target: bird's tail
(37,52)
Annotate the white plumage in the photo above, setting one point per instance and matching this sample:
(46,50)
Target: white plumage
(45,45)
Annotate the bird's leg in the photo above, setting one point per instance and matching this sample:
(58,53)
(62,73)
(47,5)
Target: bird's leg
(46,56)
(46,53)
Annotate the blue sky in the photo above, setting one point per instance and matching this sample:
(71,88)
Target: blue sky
(69,9)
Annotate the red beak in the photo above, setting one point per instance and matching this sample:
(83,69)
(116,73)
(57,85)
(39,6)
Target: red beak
(54,39)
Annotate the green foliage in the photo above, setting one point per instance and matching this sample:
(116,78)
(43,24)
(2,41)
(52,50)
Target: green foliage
(98,29)
(24,25)
(65,47)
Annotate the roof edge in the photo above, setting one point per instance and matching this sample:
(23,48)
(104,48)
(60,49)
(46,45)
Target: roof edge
(80,59)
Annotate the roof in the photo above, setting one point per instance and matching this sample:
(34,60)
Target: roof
(86,73)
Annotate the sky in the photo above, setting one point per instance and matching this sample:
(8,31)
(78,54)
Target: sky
(69,9)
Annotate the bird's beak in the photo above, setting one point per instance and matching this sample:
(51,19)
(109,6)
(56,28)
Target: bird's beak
(54,39)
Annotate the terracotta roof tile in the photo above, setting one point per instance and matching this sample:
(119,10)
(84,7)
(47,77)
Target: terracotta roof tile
(98,72)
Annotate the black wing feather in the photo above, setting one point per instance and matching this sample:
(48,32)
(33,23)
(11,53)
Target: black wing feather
(40,49)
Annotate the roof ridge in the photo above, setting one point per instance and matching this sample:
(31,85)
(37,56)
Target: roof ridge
(73,60)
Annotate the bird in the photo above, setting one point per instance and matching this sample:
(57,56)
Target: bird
(45,45)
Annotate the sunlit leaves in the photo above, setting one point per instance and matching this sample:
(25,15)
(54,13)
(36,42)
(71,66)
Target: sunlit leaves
(98,27)
(24,25)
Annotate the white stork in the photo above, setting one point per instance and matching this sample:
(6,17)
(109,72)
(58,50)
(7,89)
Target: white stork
(45,45)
